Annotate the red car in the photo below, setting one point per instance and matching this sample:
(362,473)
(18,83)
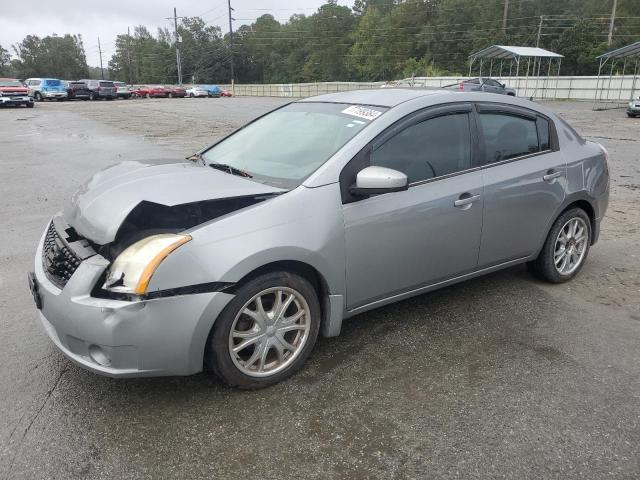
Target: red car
(226,93)
(13,92)
(176,92)
(153,91)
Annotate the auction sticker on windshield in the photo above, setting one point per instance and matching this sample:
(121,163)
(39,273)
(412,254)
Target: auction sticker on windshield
(362,112)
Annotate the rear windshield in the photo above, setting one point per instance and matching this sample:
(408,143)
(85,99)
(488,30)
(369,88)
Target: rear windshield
(106,84)
(78,83)
(10,83)
(120,84)
(53,83)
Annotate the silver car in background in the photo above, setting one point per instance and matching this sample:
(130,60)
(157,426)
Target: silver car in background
(320,210)
(482,84)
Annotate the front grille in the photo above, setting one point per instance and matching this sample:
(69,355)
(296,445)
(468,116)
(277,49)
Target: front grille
(14,94)
(58,260)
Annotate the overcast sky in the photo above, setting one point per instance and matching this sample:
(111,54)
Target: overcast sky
(106,19)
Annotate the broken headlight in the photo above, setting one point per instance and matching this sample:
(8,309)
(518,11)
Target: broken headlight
(132,269)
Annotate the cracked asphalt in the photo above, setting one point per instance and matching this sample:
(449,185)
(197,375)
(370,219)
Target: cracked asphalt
(498,377)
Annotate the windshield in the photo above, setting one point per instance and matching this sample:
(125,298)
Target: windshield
(286,146)
(10,83)
(53,83)
(106,84)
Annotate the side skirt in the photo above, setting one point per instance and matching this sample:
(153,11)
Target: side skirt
(433,286)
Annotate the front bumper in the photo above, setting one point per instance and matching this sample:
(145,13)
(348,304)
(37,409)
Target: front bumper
(16,100)
(54,94)
(164,336)
(633,110)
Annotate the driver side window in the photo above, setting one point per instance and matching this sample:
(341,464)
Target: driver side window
(432,148)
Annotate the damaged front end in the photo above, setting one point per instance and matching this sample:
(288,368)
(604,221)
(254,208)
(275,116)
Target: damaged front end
(134,214)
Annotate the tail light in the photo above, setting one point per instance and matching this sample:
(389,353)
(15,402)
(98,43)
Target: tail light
(462,86)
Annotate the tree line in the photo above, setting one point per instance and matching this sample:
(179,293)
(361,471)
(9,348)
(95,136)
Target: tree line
(375,40)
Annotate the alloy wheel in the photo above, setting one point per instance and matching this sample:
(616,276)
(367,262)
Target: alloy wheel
(570,246)
(269,331)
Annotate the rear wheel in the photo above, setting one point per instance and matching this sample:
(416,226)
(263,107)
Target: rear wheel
(267,331)
(38,97)
(148,95)
(566,248)
(630,115)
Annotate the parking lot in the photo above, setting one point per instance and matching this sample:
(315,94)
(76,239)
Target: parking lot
(498,377)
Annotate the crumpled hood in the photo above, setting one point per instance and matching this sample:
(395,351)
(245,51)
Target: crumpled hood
(99,207)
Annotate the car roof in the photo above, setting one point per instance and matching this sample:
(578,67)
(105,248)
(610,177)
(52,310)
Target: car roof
(382,97)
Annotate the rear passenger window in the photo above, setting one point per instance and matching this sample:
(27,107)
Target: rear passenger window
(508,136)
(433,148)
(543,133)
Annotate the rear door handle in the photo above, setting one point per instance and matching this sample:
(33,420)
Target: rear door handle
(551,175)
(466,199)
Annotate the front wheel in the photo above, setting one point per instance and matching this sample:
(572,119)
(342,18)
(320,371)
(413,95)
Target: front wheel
(266,333)
(566,248)
(38,97)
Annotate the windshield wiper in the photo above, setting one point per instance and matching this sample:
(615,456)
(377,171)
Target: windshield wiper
(229,169)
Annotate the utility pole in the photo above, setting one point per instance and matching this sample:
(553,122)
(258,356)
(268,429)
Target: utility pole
(505,15)
(539,30)
(177,39)
(231,47)
(129,55)
(612,22)
(100,51)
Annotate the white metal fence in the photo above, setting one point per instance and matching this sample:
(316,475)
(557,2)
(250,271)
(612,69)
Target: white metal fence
(614,89)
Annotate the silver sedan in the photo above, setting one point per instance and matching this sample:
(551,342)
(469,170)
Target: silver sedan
(323,209)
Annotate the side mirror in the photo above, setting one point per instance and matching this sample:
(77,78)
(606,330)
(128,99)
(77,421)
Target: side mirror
(376,180)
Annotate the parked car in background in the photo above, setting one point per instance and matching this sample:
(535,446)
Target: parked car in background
(122,90)
(482,84)
(78,91)
(100,89)
(225,93)
(633,109)
(175,91)
(318,211)
(46,89)
(150,91)
(214,90)
(197,91)
(14,93)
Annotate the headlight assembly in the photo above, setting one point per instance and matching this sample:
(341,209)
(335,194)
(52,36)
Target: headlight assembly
(132,270)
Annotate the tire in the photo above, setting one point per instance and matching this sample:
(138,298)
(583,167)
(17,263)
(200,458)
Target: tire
(631,115)
(37,97)
(171,95)
(92,96)
(148,95)
(544,267)
(29,104)
(234,369)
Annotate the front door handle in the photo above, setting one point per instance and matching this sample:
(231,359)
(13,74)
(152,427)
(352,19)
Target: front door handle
(466,199)
(551,175)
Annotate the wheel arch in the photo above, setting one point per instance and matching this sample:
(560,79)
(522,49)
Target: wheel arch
(330,305)
(574,201)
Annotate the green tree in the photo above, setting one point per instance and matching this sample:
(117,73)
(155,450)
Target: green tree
(53,56)
(5,62)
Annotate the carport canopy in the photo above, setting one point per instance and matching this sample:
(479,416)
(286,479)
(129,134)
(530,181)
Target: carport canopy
(518,56)
(630,51)
(511,53)
(629,55)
